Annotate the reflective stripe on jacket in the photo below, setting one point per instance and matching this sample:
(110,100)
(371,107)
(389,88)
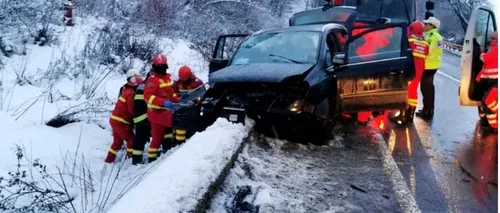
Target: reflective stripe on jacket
(490,67)
(124,107)
(158,89)
(140,106)
(186,87)
(435,40)
(420,50)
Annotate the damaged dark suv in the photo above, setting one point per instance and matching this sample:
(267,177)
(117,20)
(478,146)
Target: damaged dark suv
(296,81)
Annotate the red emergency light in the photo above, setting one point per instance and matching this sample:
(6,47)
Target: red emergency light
(338,2)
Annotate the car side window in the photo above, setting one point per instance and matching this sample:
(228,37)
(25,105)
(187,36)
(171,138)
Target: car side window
(375,45)
(484,28)
(335,41)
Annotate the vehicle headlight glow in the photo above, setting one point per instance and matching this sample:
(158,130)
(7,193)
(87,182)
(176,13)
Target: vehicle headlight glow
(300,106)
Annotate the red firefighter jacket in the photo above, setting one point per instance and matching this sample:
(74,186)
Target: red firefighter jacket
(183,87)
(159,88)
(420,49)
(490,67)
(124,107)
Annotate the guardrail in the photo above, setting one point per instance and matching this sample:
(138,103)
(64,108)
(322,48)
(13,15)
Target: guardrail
(452,48)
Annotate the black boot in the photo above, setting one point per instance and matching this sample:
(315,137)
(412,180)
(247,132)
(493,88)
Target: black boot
(401,118)
(425,114)
(136,159)
(410,114)
(151,159)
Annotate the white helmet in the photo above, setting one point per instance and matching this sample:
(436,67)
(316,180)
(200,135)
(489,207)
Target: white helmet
(132,73)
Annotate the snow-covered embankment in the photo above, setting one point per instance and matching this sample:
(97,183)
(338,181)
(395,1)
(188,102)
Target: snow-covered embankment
(183,182)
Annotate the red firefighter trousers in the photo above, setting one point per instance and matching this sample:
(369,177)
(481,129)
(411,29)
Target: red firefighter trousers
(413,88)
(121,132)
(161,135)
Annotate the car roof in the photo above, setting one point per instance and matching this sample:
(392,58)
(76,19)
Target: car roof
(300,28)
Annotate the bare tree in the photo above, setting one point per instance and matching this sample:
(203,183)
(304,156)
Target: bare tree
(463,9)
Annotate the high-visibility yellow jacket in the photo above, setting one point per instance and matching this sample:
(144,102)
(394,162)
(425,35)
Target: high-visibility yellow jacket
(435,40)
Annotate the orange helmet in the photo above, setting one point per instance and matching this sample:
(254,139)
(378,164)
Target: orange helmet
(185,73)
(159,59)
(417,28)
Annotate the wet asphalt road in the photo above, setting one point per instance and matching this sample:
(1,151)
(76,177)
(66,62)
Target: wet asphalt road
(448,163)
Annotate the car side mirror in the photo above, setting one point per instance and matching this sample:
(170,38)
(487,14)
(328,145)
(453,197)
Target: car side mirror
(339,58)
(217,64)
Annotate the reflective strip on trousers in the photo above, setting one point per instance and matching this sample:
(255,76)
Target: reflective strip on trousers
(112,151)
(152,152)
(129,150)
(137,152)
(168,136)
(180,134)
(116,118)
(139,97)
(140,118)
(180,131)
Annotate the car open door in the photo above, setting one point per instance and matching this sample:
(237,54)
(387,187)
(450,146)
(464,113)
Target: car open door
(373,73)
(224,50)
(481,25)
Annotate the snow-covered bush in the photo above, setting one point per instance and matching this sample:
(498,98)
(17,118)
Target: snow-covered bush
(30,20)
(114,42)
(20,192)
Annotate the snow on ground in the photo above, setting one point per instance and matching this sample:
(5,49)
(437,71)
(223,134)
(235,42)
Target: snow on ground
(282,176)
(77,149)
(184,177)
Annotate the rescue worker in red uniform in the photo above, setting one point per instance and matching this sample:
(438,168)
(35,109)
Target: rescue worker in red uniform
(420,49)
(121,119)
(488,78)
(160,95)
(186,83)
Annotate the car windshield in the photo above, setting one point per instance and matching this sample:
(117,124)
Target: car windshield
(300,47)
(393,10)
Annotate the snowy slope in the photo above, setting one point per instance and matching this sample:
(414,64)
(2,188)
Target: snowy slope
(182,179)
(41,84)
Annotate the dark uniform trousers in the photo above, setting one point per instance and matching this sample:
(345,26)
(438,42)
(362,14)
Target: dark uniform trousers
(427,89)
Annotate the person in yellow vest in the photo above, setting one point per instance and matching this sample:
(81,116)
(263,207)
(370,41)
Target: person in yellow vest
(432,64)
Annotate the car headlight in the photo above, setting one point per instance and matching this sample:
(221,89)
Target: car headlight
(301,106)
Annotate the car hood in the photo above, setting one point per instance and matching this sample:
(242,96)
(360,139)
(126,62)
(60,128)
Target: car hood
(262,72)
